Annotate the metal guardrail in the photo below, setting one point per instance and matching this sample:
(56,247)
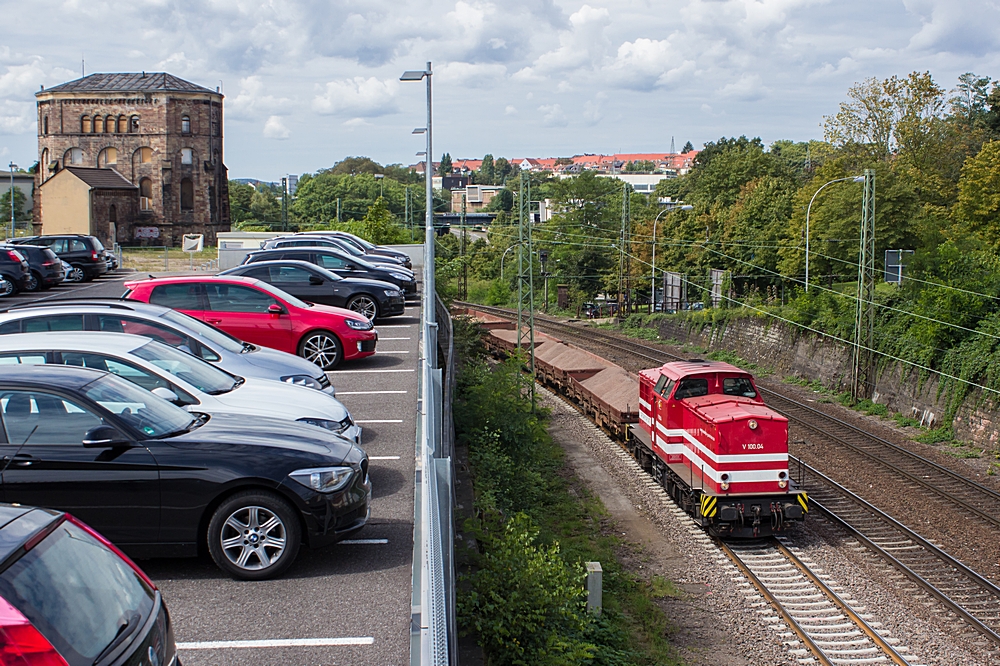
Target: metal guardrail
(433,630)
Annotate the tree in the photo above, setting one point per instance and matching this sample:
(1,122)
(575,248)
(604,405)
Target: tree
(501,170)
(978,207)
(444,168)
(725,166)
(264,207)
(380,227)
(502,201)
(969,100)
(486,174)
(355,165)
(687,148)
(20,214)
(240,197)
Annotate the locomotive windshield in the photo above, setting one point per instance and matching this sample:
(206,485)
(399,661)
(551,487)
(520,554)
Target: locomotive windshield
(663,386)
(741,386)
(691,388)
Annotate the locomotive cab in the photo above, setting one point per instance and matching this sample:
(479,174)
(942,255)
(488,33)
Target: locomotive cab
(707,435)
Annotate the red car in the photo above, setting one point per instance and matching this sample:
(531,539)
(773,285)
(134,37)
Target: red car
(257,312)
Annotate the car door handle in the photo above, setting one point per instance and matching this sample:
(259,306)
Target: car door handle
(213,321)
(20,460)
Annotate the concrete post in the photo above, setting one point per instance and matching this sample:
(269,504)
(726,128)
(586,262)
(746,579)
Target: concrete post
(595,582)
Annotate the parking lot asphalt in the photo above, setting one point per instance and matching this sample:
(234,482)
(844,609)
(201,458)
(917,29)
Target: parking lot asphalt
(345,604)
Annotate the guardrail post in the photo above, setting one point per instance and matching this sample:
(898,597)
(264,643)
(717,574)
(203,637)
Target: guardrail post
(595,587)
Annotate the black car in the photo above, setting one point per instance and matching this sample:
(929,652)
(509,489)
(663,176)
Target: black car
(372,298)
(46,268)
(322,240)
(15,273)
(84,253)
(159,481)
(371,248)
(341,263)
(68,596)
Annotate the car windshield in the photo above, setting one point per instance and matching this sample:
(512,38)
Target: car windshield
(274,291)
(363,243)
(348,246)
(203,330)
(76,592)
(98,245)
(152,415)
(198,373)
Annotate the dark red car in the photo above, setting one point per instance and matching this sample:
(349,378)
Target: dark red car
(257,312)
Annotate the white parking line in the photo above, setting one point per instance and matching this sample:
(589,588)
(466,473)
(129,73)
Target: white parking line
(344,372)
(277,643)
(339,393)
(384,339)
(379,421)
(383,457)
(383,351)
(362,542)
(396,326)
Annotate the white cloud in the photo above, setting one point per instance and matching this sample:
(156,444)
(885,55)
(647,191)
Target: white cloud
(510,110)
(553,116)
(252,100)
(275,128)
(358,97)
(470,75)
(747,88)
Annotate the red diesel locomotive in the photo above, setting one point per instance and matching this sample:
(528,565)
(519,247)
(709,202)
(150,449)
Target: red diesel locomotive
(705,434)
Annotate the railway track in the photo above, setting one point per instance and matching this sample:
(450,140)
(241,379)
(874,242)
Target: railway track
(958,588)
(828,626)
(973,498)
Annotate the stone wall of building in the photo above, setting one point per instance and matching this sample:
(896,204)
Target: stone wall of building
(149,146)
(786,350)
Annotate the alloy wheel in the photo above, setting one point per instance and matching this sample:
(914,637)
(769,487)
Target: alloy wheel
(253,538)
(323,349)
(32,283)
(364,305)
(7,287)
(75,274)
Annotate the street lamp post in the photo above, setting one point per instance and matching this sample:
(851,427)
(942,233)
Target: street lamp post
(856,179)
(12,166)
(429,289)
(379,177)
(652,283)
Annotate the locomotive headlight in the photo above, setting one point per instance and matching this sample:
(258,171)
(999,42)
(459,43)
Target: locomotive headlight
(782,483)
(725,482)
(782,479)
(752,424)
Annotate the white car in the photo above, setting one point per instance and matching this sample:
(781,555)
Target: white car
(181,378)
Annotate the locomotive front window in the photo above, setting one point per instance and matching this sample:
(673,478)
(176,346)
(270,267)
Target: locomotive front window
(658,389)
(691,388)
(740,386)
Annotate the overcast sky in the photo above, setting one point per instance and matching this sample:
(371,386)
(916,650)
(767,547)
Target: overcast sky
(308,82)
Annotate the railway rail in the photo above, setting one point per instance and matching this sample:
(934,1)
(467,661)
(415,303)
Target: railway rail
(827,624)
(958,588)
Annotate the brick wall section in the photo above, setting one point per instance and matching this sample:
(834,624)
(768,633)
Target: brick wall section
(159,129)
(788,351)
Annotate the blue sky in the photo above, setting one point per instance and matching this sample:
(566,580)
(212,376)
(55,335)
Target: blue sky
(308,82)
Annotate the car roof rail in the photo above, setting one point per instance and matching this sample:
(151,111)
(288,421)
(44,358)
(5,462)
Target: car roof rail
(111,302)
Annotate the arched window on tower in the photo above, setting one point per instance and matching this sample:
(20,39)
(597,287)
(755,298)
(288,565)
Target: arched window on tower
(98,124)
(108,157)
(43,164)
(73,156)
(145,194)
(122,125)
(187,156)
(45,125)
(133,125)
(185,124)
(187,194)
(144,155)
(85,126)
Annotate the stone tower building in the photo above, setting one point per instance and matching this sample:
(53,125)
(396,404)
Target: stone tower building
(160,132)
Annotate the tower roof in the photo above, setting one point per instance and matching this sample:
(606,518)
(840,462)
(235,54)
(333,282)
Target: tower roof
(105,179)
(128,82)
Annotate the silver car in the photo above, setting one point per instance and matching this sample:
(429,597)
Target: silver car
(181,378)
(170,327)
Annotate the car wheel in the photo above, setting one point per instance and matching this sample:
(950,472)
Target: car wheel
(75,274)
(322,348)
(33,283)
(7,287)
(364,305)
(254,535)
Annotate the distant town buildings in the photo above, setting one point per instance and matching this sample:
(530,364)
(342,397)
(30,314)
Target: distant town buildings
(622,165)
(147,146)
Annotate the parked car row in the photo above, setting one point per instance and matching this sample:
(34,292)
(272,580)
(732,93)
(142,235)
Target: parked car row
(41,262)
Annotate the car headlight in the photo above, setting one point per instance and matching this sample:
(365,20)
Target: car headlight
(393,293)
(328,424)
(303,380)
(358,324)
(398,276)
(324,479)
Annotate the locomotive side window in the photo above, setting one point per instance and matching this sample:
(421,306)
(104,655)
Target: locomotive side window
(664,386)
(691,388)
(738,386)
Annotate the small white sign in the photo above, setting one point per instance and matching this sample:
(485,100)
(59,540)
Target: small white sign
(147,232)
(193,242)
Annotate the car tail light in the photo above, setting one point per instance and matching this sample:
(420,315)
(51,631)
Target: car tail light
(21,644)
(112,547)
(93,255)
(15,256)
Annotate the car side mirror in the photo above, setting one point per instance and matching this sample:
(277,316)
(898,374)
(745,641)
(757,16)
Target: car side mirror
(315,280)
(350,267)
(104,437)
(165,393)
(275,309)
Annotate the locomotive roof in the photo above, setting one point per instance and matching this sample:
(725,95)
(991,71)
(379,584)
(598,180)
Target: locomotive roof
(716,408)
(679,369)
